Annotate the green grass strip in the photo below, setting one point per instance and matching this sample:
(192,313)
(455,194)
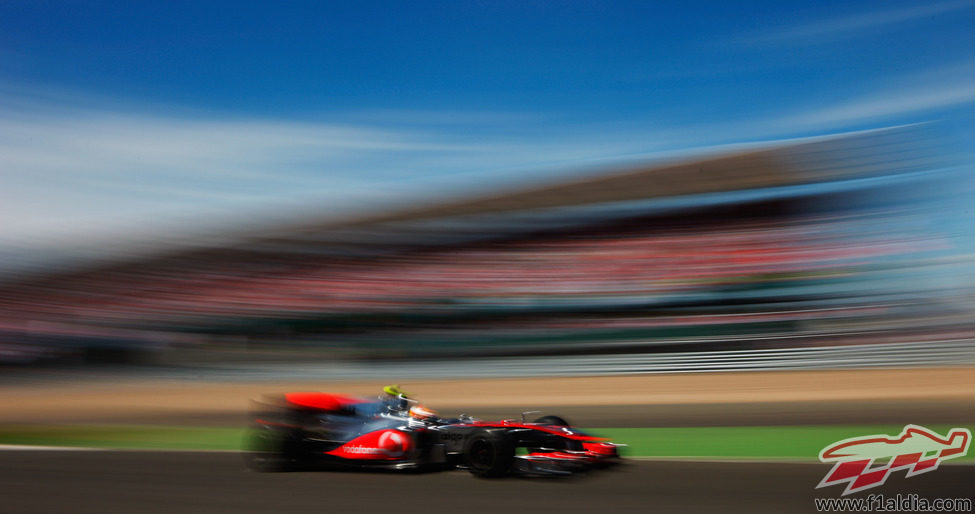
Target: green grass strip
(753,442)
(125,436)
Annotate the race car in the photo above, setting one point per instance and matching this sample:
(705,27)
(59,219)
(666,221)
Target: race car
(313,430)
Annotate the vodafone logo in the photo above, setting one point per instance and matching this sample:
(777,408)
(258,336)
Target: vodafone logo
(362,450)
(392,443)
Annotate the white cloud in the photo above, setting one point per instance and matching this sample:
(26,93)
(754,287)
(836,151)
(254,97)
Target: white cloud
(415,117)
(851,25)
(69,172)
(919,94)
(872,107)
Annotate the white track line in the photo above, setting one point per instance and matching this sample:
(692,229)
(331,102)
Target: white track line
(28,447)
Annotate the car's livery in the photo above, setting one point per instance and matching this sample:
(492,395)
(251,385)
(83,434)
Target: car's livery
(312,430)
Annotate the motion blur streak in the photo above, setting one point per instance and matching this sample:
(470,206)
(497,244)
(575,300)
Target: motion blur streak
(856,239)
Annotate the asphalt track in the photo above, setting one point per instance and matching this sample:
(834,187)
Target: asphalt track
(184,482)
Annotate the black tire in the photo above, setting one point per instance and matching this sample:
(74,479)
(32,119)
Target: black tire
(489,453)
(553,420)
(268,449)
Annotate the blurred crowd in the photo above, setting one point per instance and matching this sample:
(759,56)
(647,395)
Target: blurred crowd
(637,280)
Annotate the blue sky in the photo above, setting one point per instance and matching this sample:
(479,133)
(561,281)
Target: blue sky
(142,119)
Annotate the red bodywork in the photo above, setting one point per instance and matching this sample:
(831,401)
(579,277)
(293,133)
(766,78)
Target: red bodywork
(322,401)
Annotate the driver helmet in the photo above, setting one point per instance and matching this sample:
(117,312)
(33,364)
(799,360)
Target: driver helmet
(421,413)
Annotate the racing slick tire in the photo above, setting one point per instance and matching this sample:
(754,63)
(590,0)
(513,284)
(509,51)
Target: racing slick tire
(268,449)
(553,420)
(489,453)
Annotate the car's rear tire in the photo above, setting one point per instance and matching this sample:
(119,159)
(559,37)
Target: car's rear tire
(489,453)
(270,449)
(553,420)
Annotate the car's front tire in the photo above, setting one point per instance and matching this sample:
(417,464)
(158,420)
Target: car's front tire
(489,453)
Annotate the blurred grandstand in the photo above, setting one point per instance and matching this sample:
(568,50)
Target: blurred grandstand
(833,241)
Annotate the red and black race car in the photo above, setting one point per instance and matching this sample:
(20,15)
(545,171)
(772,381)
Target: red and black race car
(322,430)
